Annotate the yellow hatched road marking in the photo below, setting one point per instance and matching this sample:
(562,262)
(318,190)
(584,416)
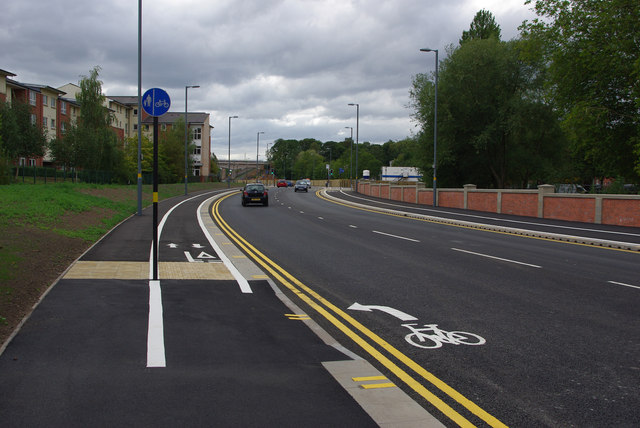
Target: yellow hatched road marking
(296,287)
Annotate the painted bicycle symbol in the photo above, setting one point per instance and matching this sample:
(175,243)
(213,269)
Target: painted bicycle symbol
(429,336)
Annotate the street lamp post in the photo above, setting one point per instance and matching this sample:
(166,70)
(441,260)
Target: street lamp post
(186,130)
(435,130)
(351,166)
(258,153)
(229,154)
(357,134)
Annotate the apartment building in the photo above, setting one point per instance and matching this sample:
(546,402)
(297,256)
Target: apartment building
(199,130)
(55,109)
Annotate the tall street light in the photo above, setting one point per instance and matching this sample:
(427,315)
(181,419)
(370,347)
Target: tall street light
(351,167)
(258,153)
(435,130)
(186,129)
(229,155)
(357,134)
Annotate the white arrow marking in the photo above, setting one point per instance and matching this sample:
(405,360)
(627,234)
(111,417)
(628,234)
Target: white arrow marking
(172,245)
(396,313)
(204,255)
(197,246)
(191,259)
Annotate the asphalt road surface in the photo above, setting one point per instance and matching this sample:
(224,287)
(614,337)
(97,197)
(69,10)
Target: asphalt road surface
(553,328)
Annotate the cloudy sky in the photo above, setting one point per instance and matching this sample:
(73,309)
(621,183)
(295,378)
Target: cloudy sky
(287,68)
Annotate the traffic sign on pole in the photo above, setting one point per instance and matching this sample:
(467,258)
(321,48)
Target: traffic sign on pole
(156,102)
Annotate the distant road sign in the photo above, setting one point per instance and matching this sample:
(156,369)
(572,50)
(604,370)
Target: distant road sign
(156,102)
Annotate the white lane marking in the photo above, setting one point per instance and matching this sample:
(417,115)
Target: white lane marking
(395,236)
(584,229)
(241,280)
(155,334)
(496,258)
(622,283)
(352,226)
(320,218)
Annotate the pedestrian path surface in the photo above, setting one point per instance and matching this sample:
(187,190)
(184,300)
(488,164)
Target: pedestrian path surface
(232,358)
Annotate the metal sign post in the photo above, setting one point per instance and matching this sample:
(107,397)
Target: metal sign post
(155,102)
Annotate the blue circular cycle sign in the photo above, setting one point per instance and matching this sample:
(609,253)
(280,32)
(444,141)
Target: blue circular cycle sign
(156,102)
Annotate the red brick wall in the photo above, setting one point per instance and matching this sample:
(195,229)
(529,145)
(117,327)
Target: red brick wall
(621,212)
(384,192)
(520,204)
(409,194)
(482,201)
(396,193)
(571,209)
(451,199)
(425,198)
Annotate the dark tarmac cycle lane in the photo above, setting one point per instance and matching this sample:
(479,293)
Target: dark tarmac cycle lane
(233,358)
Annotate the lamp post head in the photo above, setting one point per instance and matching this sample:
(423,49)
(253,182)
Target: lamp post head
(192,86)
(233,117)
(352,104)
(428,50)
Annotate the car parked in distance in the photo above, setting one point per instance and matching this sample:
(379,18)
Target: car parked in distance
(301,185)
(255,193)
(282,183)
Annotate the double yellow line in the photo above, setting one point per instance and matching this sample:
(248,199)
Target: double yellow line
(323,307)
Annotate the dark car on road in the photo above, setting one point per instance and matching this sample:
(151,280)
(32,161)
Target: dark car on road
(255,193)
(301,185)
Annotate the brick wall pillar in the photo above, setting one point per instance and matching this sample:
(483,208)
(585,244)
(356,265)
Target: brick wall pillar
(468,187)
(543,189)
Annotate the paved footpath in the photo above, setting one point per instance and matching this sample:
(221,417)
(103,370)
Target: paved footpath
(231,357)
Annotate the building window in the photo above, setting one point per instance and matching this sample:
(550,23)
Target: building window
(53,102)
(135,126)
(23,162)
(135,111)
(45,100)
(32,98)
(197,133)
(197,150)
(196,172)
(146,127)
(44,122)
(33,119)
(32,162)
(53,124)
(63,127)
(164,126)
(63,107)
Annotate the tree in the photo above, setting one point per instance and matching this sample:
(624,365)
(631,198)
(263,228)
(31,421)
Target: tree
(309,164)
(489,117)
(592,53)
(171,150)
(483,26)
(20,136)
(90,143)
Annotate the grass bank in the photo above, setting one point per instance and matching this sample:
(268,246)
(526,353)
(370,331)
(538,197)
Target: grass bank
(43,228)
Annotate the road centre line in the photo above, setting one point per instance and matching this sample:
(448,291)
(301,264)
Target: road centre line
(623,284)
(323,306)
(395,236)
(496,258)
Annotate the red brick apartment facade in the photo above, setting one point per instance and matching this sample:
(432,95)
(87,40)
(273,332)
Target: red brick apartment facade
(55,109)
